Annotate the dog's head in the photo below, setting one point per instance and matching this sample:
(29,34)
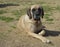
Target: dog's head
(35,12)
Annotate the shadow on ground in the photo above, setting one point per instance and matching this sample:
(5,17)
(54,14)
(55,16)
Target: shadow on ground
(9,4)
(52,33)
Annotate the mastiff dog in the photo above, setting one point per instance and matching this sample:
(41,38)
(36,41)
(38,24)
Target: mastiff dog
(31,23)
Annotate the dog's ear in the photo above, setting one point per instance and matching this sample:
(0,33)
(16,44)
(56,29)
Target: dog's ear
(29,13)
(42,12)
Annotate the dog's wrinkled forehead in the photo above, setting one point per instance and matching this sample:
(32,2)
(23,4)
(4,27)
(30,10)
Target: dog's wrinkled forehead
(35,7)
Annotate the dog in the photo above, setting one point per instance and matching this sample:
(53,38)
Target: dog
(31,23)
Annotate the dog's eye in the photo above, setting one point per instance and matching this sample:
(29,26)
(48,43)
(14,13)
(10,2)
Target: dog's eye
(39,9)
(33,9)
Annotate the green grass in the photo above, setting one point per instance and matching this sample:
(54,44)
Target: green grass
(19,13)
(16,13)
(13,26)
(9,31)
(3,11)
(6,19)
(3,35)
(47,17)
(58,8)
(48,8)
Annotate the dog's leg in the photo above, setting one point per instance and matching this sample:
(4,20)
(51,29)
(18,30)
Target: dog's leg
(42,32)
(43,39)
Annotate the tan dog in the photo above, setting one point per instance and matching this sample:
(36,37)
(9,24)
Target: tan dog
(31,23)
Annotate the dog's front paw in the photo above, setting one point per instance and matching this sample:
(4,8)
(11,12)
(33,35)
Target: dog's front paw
(47,41)
(43,39)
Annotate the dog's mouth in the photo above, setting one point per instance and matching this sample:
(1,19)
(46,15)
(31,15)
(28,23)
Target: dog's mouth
(37,19)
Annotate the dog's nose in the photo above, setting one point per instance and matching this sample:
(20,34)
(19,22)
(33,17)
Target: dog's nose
(37,13)
(37,19)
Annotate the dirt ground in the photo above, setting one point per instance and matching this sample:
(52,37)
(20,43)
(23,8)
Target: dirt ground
(10,36)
